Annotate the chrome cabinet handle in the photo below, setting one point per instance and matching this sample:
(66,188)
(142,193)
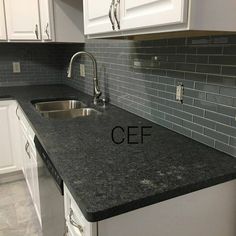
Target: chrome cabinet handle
(115,14)
(26,149)
(46,30)
(78,226)
(36,31)
(110,14)
(17,112)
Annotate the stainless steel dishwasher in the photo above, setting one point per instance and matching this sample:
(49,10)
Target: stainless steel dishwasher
(51,194)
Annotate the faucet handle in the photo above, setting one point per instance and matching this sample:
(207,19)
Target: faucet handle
(105,100)
(102,101)
(69,72)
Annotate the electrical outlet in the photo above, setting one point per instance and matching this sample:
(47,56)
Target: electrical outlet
(16,67)
(180,92)
(82,70)
(137,63)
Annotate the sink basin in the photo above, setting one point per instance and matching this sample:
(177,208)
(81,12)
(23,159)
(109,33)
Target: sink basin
(64,109)
(60,105)
(68,114)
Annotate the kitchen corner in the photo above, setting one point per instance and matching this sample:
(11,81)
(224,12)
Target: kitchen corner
(117,137)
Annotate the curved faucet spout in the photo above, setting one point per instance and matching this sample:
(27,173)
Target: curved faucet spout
(96,90)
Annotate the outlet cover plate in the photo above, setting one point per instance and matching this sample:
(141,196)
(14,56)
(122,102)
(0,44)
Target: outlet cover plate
(16,67)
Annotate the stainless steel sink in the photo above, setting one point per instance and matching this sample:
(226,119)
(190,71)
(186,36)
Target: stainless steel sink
(64,109)
(60,105)
(68,114)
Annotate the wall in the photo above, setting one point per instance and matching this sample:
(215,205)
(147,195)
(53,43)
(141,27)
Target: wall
(141,77)
(40,63)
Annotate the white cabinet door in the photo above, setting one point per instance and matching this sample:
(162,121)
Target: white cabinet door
(6,156)
(9,159)
(3,35)
(74,214)
(96,16)
(29,160)
(36,185)
(46,18)
(151,13)
(27,164)
(22,19)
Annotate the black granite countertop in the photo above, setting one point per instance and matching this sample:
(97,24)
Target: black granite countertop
(107,179)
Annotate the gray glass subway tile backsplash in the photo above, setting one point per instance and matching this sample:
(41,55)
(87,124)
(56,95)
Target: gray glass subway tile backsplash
(141,77)
(40,64)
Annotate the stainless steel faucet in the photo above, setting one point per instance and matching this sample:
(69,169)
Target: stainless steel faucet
(96,91)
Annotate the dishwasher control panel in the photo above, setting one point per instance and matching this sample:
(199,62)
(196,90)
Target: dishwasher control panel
(49,165)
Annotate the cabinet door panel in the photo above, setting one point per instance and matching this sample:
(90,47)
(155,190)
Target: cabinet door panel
(46,17)
(36,187)
(2,22)
(96,16)
(151,13)
(9,138)
(6,157)
(23,19)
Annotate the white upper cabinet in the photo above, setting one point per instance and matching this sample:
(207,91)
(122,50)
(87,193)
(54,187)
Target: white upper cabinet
(46,17)
(3,35)
(136,17)
(22,19)
(96,16)
(44,20)
(148,13)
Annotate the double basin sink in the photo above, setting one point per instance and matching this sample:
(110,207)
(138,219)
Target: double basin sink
(64,109)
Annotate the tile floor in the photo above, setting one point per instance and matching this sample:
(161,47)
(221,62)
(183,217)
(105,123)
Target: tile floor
(17,214)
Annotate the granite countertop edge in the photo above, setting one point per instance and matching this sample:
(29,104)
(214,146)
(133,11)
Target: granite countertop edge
(155,199)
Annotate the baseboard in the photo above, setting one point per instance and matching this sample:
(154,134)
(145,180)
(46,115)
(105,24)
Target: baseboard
(11,177)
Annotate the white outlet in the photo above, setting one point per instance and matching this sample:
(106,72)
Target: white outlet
(16,67)
(82,70)
(179,92)
(137,63)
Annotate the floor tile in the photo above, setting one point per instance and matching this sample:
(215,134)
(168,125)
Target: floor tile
(17,213)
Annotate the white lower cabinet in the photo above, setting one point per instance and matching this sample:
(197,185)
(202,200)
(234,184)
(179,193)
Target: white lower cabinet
(9,138)
(208,212)
(76,223)
(29,160)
